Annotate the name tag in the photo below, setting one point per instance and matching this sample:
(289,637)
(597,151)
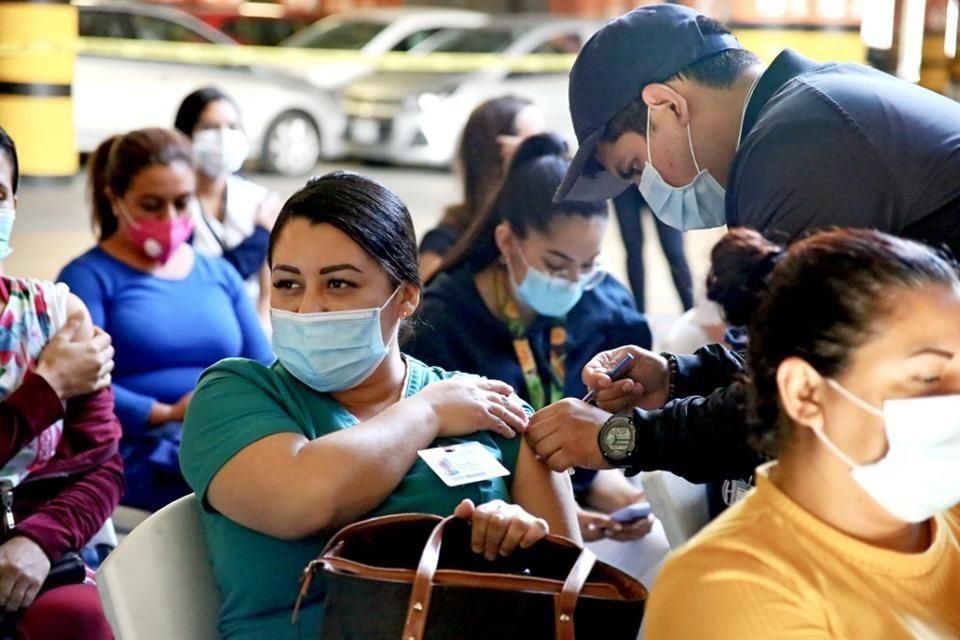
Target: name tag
(461,464)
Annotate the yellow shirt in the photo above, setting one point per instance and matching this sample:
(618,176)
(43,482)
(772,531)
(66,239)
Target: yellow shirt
(767,568)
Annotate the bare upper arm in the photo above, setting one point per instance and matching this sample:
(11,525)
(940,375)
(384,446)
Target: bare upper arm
(271,504)
(545,493)
(77,309)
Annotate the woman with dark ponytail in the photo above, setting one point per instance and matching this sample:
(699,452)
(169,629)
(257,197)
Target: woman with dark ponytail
(522,298)
(854,387)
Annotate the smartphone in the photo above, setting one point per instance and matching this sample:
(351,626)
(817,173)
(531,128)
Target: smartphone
(618,370)
(631,513)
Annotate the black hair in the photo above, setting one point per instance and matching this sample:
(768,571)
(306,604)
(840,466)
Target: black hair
(193,105)
(7,145)
(525,202)
(366,211)
(718,71)
(822,301)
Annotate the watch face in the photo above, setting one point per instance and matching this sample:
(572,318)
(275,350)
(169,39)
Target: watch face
(617,439)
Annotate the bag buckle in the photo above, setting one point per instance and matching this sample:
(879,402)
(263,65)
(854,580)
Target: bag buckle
(306,579)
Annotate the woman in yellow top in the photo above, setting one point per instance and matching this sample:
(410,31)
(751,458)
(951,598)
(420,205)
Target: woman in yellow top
(854,532)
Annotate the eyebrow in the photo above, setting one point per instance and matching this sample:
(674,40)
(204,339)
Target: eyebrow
(339,267)
(324,271)
(943,353)
(286,267)
(564,256)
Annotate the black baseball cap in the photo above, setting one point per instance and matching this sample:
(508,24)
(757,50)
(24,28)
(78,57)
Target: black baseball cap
(647,45)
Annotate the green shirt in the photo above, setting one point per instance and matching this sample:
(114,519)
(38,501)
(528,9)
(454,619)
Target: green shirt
(238,402)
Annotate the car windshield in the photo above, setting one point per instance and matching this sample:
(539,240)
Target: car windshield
(342,35)
(483,40)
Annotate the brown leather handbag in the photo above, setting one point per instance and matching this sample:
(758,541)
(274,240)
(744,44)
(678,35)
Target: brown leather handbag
(414,577)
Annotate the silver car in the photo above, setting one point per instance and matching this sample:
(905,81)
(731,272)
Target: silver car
(416,118)
(371,33)
(290,124)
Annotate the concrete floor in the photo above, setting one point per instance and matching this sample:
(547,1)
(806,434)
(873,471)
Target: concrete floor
(53,226)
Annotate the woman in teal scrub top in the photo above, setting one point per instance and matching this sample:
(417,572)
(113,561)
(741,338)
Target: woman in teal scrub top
(282,456)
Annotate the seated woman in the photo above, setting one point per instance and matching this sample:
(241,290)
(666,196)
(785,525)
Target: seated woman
(854,531)
(489,138)
(331,431)
(232,215)
(522,299)
(58,444)
(171,311)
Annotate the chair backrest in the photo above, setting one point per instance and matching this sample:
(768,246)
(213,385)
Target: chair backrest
(679,505)
(158,582)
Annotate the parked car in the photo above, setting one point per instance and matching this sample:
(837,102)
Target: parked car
(290,125)
(416,118)
(254,23)
(373,32)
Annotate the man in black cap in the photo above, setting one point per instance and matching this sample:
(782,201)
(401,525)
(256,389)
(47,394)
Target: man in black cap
(666,98)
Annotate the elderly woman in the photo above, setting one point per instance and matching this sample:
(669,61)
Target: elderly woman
(282,456)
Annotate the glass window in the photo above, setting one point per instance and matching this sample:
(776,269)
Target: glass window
(102,24)
(343,35)
(153,28)
(259,31)
(565,43)
(484,40)
(414,39)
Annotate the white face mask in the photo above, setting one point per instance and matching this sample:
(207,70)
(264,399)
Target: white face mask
(7,217)
(221,150)
(920,474)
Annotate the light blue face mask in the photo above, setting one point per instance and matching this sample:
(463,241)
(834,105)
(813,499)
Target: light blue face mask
(7,217)
(698,205)
(552,296)
(330,350)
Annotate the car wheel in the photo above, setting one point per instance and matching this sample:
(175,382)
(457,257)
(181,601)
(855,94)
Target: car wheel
(291,146)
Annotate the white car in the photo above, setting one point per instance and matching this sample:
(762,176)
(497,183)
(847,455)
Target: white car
(416,118)
(373,32)
(290,125)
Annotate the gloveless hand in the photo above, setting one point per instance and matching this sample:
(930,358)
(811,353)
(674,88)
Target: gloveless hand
(646,384)
(564,435)
(75,367)
(498,528)
(467,404)
(23,568)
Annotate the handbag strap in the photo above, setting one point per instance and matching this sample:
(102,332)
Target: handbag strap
(572,586)
(419,604)
(423,584)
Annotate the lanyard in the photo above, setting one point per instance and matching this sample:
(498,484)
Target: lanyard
(524,352)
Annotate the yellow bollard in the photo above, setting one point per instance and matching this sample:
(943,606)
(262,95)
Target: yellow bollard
(37,52)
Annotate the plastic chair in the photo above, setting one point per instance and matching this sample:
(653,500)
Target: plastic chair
(680,505)
(158,582)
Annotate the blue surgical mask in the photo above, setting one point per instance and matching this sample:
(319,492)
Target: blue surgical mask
(7,217)
(548,295)
(698,205)
(330,350)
